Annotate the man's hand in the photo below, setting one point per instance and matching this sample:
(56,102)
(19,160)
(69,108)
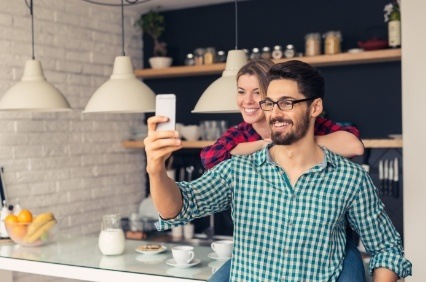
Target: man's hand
(159,145)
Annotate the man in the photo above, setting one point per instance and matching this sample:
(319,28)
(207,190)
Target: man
(290,201)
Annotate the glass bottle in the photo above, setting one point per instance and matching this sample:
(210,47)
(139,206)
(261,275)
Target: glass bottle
(111,239)
(394,27)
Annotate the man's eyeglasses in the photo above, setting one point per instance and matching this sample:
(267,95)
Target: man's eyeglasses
(283,104)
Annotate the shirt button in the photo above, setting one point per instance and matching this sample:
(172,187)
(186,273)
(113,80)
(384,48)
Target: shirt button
(290,223)
(293,196)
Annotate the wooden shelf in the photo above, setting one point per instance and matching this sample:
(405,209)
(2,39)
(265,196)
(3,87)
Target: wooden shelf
(366,57)
(382,143)
(368,143)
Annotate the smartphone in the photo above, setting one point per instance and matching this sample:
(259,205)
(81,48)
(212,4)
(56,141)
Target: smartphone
(165,105)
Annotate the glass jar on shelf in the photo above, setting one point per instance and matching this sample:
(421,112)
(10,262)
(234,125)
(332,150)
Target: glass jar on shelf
(255,54)
(220,56)
(266,53)
(277,53)
(332,42)
(289,52)
(199,56)
(209,55)
(313,44)
(189,60)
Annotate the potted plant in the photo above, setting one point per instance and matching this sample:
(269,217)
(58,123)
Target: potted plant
(152,23)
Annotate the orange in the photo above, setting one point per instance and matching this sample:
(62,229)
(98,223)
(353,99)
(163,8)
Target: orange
(11,218)
(25,216)
(19,231)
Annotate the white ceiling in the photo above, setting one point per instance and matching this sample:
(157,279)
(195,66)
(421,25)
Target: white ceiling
(166,5)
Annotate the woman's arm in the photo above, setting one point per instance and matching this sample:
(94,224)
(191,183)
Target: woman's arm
(342,143)
(247,148)
(342,140)
(221,149)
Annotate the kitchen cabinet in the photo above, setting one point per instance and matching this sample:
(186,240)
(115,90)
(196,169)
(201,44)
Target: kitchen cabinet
(366,57)
(368,143)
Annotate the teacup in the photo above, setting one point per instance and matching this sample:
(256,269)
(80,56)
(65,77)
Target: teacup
(223,248)
(183,254)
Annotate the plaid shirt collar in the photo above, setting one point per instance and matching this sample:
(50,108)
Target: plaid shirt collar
(264,156)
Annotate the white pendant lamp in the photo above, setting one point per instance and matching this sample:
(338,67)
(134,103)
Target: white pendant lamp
(33,92)
(221,95)
(123,92)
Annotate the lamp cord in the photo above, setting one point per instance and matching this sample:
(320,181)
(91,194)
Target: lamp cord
(122,28)
(30,6)
(236,25)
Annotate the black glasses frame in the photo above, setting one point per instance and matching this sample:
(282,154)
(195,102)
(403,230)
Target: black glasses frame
(290,102)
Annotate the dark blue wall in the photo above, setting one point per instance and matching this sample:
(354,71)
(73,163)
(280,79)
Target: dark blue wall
(368,95)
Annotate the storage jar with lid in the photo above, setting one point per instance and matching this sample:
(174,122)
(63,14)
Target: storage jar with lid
(189,60)
(220,56)
(209,55)
(278,52)
(332,42)
(313,44)
(289,52)
(199,56)
(266,53)
(255,54)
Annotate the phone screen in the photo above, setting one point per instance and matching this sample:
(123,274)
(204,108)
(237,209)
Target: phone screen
(165,105)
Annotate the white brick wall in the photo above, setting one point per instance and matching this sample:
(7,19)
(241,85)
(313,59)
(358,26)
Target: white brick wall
(69,163)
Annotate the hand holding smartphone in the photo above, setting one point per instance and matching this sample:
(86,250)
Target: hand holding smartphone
(165,105)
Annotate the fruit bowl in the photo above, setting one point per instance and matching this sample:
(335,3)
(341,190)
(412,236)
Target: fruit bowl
(32,234)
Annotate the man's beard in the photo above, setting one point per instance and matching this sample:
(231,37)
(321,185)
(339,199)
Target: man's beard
(299,131)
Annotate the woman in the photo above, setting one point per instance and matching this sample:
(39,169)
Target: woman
(254,133)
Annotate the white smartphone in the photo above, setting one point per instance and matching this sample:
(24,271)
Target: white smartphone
(165,105)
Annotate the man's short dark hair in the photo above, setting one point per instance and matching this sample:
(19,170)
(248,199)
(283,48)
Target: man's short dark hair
(310,81)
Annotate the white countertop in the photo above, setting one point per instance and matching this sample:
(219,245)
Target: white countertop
(80,258)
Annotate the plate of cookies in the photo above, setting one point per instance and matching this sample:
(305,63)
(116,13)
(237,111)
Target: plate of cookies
(150,249)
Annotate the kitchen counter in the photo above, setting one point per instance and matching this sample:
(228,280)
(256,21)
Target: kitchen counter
(80,258)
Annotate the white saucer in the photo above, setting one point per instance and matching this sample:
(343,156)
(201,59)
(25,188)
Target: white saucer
(214,256)
(172,262)
(153,252)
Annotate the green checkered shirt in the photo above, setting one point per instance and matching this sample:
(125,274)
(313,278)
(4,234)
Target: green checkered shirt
(285,233)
